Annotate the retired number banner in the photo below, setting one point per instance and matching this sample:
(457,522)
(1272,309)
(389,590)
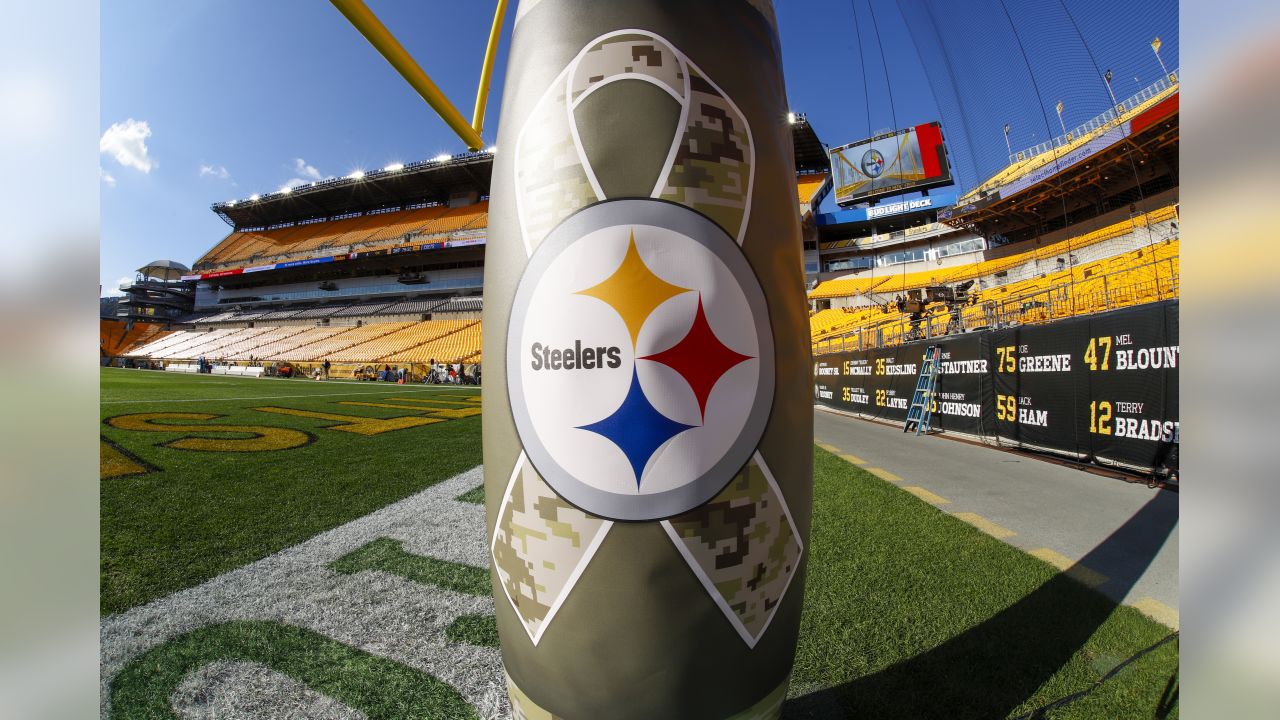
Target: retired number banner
(647,428)
(1101,388)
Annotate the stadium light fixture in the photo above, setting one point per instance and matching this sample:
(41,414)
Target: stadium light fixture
(253,197)
(492,149)
(442,157)
(356,175)
(1155,48)
(286,189)
(393,167)
(791,118)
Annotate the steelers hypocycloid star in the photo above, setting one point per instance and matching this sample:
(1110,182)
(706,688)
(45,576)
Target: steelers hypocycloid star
(636,427)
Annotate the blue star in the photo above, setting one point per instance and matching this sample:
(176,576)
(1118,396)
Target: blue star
(637,428)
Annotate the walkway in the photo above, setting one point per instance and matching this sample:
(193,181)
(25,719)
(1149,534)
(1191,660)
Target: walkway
(1054,512)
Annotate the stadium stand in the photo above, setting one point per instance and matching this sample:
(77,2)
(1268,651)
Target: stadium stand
(412,306)
(366,233)
(358,310)
(311,313)
(282,348)
(1043,155)
(459,344)
(807,187)
(1007,262)
(349,337)
(463,304)
(1145,274)
(118,338)
(360,271)
(416,342)
(391,344)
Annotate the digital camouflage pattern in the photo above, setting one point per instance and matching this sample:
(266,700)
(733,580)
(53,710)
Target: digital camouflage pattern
(703,607)
(627,56)
(712,163)
(744,546)
(712,171)
(539,544)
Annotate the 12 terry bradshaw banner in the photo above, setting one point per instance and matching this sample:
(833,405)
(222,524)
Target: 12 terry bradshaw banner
(648,415)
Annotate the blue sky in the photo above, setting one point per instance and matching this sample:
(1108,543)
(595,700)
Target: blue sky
(235,97)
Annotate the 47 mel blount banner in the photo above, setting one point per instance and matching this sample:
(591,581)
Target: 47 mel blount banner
(648,423)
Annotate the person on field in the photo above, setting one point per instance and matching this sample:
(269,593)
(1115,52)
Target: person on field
(325,375)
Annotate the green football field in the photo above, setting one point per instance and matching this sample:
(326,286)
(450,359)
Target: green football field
(909,613)
(203,473)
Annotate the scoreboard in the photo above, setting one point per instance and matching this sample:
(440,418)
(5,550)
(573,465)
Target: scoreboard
(892,163)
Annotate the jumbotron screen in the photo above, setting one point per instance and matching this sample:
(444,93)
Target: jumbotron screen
(914,158)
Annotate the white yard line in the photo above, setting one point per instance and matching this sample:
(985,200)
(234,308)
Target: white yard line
(375,611)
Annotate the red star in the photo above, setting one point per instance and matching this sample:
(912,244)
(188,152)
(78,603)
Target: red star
(700,358)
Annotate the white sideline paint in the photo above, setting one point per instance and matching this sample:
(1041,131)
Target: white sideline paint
(379,613)
(403,389)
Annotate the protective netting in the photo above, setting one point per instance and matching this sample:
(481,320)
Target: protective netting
(992,63)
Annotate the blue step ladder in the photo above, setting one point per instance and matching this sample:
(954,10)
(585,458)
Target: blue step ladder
(921,411)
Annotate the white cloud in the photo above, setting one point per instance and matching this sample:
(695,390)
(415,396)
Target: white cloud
(127,143)
(302,174)
(106,177)
(216,171)
(301,167)
(114,290)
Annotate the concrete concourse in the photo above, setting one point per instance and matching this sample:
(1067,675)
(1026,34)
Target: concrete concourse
(1055,512)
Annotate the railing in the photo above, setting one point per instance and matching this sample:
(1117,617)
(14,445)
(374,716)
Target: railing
(1104,120)
(1037,306)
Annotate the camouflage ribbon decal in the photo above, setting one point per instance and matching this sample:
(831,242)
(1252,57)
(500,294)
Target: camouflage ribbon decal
(710,163)
(742,545)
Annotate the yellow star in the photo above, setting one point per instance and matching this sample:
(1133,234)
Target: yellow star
(633,291)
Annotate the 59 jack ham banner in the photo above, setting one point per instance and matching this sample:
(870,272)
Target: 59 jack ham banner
(1101,388)
(647,429)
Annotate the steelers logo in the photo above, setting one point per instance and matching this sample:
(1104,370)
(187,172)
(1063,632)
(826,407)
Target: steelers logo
(639,359)
(872,163)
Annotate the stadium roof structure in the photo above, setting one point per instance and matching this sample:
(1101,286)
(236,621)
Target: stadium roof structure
(811,154)
(164,270)
(425,180)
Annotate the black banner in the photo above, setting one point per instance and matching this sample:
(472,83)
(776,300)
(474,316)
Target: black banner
(1100,388)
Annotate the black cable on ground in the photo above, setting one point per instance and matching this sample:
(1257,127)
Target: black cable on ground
(1041,711)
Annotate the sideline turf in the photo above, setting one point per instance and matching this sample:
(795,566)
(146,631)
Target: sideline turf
(198,514)
(910,613)
(381,689)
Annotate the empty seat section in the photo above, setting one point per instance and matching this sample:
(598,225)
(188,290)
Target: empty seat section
(330,346)
(393,226)
(460,341)
(458,218)
(282,348)
(253,347)
(408,335)
(1144,274)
